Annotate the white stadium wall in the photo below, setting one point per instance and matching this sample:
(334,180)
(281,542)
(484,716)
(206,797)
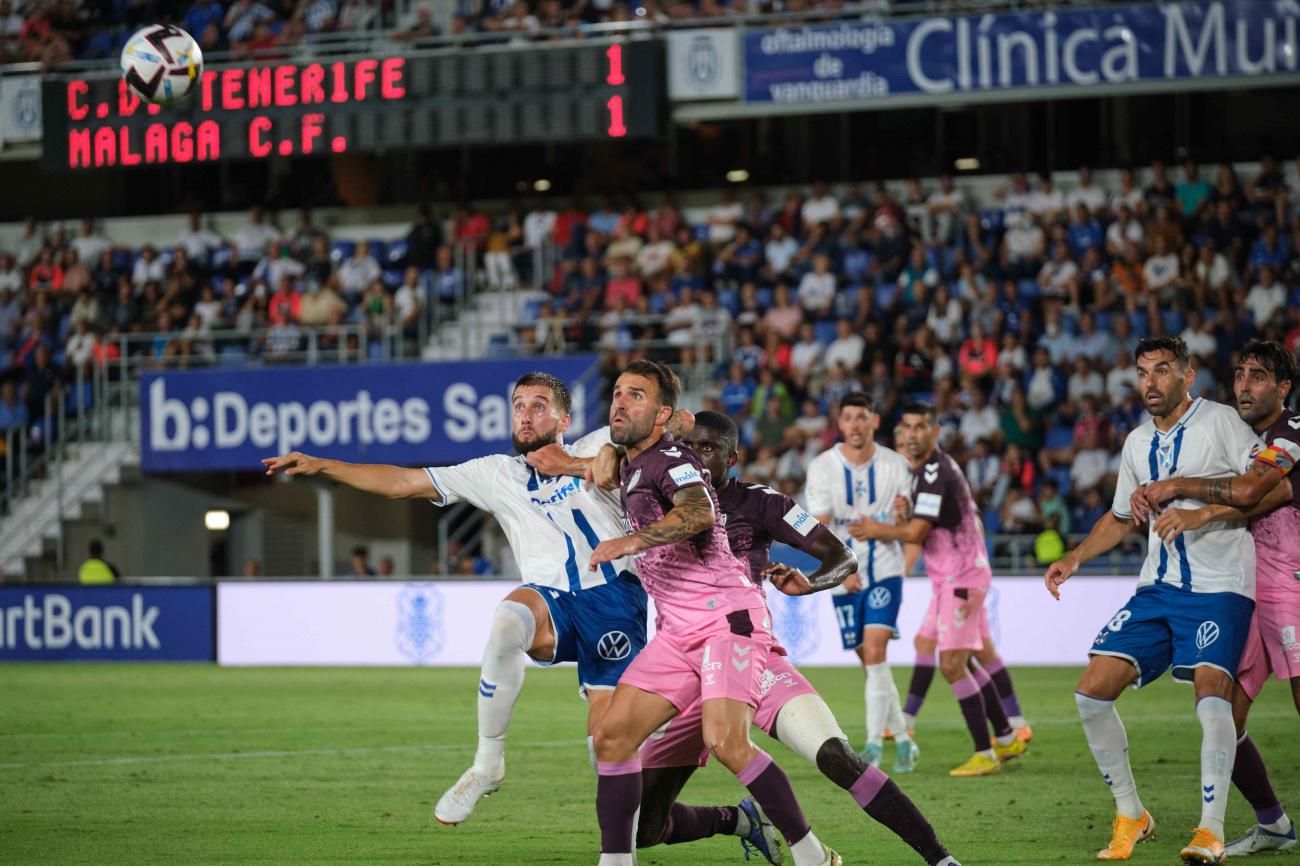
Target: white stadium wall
(446,623)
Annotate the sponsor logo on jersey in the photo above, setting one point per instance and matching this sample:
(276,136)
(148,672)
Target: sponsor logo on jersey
(684,474)
(879,597)
(928,505)
(419,622)
(614,646)
(800,521)
(1206,634)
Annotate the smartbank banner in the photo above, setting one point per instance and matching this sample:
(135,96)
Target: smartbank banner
(106,624)
(1119,45)
(446,624)
(406,414)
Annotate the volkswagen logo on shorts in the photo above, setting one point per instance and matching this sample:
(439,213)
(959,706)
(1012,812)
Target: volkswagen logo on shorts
(879,597)
(1206,634)
(614,646)
(419,622)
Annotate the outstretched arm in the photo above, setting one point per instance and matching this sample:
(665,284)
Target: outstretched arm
(1108,532)
(1240,491)
(691,514)
(837,562)
(913,531)
(394,482)
(1176,521)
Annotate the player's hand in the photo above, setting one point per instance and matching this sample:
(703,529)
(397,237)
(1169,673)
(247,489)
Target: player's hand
(1161,493)
(853,583)
(864,529)
(1175,521)
(1141,506)
(605,468)
(788,579)
(293,463)
(902,508)
(615,548)
(554,460)
(1058,573)
(681,424)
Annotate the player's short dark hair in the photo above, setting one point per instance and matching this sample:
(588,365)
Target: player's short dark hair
(1272,356)
(858,399)
(559,390)
(918,407)
(720,424)
(1173,345)
(669,385)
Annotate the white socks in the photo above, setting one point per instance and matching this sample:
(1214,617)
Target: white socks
(879,686)
(894,720)
(1218,751)
(500,681)
(1109,744)
(808,851)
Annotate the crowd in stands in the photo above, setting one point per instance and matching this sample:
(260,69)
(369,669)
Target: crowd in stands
(55,31)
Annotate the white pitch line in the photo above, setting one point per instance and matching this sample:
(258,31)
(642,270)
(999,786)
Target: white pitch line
(295,753)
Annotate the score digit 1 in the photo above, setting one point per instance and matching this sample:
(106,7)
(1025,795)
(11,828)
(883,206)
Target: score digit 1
(615,56)
(614,77)
(616,127)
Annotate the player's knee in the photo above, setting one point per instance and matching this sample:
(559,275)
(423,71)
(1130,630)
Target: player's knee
(839,763)
(513,627)
(953,667)
(611,744)
(733,749)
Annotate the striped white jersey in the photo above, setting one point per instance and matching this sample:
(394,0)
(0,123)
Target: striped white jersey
(845,493)
(1209,441)
(552,523)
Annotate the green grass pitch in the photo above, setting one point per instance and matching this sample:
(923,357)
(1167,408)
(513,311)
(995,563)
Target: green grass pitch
(163,764)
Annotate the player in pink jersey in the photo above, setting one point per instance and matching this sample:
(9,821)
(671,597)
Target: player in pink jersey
(1264,375)
(714,631)
(947,524)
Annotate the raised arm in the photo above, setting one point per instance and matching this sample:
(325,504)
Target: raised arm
(1108,532)
(691,514)
(394,482)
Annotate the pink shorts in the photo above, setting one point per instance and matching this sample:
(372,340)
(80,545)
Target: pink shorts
(724,660)
(1272,644)
(680,743)
(956,623)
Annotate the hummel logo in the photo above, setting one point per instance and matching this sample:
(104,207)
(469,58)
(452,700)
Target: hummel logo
(1209,793)
(672,452)
(931,473)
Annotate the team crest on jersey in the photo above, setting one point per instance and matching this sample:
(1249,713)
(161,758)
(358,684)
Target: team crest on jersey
(1206,634)
(1165,456)
(795,625)
(419,622)
(614,646)
(879,597)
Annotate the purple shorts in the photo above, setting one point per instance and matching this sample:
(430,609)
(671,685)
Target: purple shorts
(680,743)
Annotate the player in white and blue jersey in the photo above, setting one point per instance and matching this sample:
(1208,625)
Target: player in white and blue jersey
(565,612)
(1193,604)
(855,479)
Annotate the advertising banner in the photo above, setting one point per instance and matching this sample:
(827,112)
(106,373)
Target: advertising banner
(109,623)
(408,414)
(1062,48)
(20,98)
(446,623)
(702,64)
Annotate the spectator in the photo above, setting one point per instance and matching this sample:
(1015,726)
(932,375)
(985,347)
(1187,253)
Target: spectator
(1128,197)
(1193,193)
(820,209)
(285,306)
(724,217)
(846,349)
(1046,203)
(1087,194)
(13,411)
(1265,298)
(1122,378)
(945,206)
(1019,513)
(817,288)
(1084,381)
(1049,545)
(359,565)
(408,301)
(980,421)
(982,470)
(253,238)
(90,244)
(358,271)
(95,570)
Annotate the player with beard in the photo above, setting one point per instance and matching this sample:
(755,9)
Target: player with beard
(714,633)
(1264,376)
(565,613)
(1193,604)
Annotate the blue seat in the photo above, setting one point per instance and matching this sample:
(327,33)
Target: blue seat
(222,256)
(1172,321)
(378,251)
(765,297)
(393,277)
(375,350)
(1028,289)
(1060,475)
(824,331)
(232,356)
(701,231)
(729,299)
(1102,321)
(77,400)
(123,260)
(499,346)
(992,521)
(342,250)
(992,219)
(1059,438)
(396,255)
(659,303)
(885,294)
(1140,325)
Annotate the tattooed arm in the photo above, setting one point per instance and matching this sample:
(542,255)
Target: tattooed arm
(1241,491)
(691,514)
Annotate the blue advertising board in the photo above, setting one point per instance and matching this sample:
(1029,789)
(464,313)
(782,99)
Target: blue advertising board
(1062,49)
(406,414)
(107,623)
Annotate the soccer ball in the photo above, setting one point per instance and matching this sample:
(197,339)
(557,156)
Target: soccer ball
(161,64)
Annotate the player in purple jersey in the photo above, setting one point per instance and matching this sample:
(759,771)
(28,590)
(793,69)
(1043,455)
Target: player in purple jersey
(714,632)
(789,709)
(946,523)
(1264,375)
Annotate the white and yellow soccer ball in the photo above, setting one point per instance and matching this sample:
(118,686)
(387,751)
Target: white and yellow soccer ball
(162,64)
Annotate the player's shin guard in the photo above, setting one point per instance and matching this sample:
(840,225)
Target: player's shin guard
(879,701)
(992,702)
(771,790)
(1251,778)
(501,679)
(1109,744)
(972,710)
(618,794)
(922,676)
(1218,752)
(1001,677)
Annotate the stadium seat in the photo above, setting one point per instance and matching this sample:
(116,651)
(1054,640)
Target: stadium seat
(1060,475)
(1059,438)
(378,251)
(765,297)
(77,400)
(1102,322)
(824,332)
(992,219)
(1028,288)
(342,250)
(885,294)
(658,303)
(232,356)
(1139,322)
(393,277)
(729,300)
(1172,321)
(701,231)
(499,346)
(222,257)
(123,260)
(992,521)
(396,255)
